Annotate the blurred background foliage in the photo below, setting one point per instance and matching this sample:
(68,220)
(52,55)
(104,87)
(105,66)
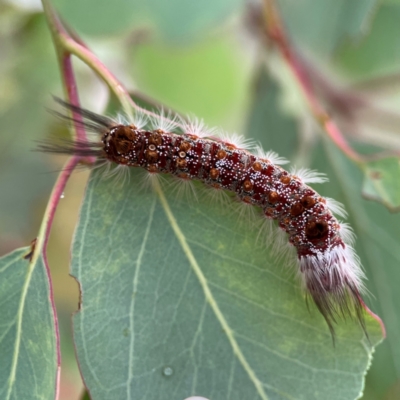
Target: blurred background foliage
(207,58)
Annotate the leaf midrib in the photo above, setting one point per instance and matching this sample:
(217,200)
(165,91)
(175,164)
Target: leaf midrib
(207,292)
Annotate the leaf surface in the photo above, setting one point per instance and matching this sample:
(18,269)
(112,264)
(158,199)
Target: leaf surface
(378,53)
(321,26)
(175,20)
(382,183)
(28,349)
(183,298)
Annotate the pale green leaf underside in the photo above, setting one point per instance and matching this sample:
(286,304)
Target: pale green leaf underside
(28,354)
(175,20)
(323,25)
(181,298)
(382,183)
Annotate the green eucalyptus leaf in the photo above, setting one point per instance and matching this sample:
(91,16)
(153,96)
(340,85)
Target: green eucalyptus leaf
(103,18)
(322,25)
(24,92)
(382,182)
(379,52)
(28,348)
(182,20)
(182,297)
(205,79)
(174,20)
(267,123)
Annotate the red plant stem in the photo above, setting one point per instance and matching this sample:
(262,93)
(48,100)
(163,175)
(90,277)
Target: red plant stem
(275,31)
(64,58)
(55,197)
(105,75)
(50,213)
(41,247)
(72,94)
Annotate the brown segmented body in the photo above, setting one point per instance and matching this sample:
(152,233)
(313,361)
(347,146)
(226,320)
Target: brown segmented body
(301,211)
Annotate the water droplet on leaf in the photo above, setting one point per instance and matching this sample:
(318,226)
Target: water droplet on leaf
(168,371)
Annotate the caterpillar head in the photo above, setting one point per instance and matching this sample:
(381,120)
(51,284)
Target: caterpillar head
(122,144)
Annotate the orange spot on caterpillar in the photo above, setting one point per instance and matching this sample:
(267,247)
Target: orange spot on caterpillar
(185,146)
(181,163)
(257,166)
(273,197)
(151,154)
(221,154)
(285,179)
(214,173)
(247,185)
(155,139)
(247,200)
(269,212)
(286,221)
(295,240)
(296,209)
(123,161)
(183,176)
(152,168)
(308,201)
(182,154)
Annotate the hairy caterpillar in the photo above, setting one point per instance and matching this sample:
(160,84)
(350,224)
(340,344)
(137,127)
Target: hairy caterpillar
(328,267)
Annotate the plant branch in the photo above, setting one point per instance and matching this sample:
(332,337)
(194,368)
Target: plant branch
(68,43)
(39,247)
(275,31)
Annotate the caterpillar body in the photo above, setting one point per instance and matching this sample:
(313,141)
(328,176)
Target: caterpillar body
(327,264)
